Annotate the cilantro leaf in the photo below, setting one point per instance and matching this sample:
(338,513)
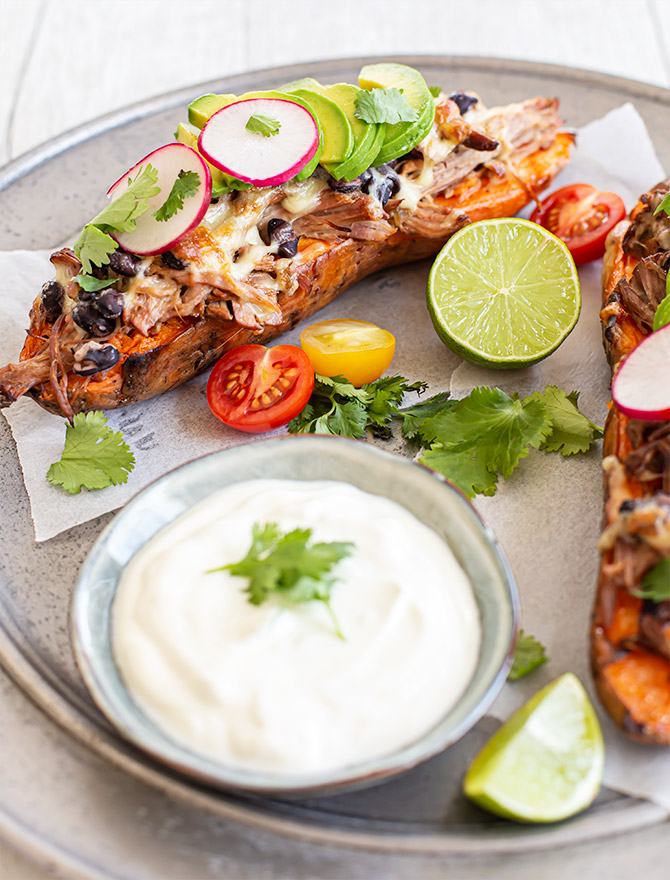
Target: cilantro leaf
(343,387)
(335,407)
(93,247)
(435,91)
(91,284)
(662,316)
(528,656)
(501,428)
(384,105)
(664,205)
(656,583)
(338,407)
(185,186)
(464,469)
(287,568)
(121,214)
(387,395)
(261,123)
(95,244)
(94,456)
(571,432)
(413,417)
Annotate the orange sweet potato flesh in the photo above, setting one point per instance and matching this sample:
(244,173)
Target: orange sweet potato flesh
(633,684)
(153,364)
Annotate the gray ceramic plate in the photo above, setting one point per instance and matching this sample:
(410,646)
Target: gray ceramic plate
(421,812)
(429,497)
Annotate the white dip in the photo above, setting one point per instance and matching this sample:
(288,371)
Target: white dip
(272,689)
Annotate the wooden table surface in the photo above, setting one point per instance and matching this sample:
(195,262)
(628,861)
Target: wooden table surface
(64,62)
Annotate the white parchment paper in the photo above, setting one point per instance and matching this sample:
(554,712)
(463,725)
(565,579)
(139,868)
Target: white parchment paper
(547,516)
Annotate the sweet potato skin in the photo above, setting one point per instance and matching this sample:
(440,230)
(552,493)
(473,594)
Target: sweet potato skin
(196,344)
(632,683)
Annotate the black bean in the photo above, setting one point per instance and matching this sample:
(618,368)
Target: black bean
(124,263)
(173,262)
(52,300)
(478,141)
(463,101)
(382,183)
(96,359)
(110,303)
(344,186)
(91,321)
(282,233)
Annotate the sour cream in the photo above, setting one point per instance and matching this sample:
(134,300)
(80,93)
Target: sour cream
(271,689)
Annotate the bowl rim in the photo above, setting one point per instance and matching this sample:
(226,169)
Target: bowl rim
(89,647)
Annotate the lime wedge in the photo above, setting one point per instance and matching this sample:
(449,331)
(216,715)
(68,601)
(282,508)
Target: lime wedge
(504,293)
(546,762)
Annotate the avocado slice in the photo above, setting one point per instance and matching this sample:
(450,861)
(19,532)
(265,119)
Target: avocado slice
(368,138)
(403,136)
(338,139)
(221,183)
(307,82)
(200,110)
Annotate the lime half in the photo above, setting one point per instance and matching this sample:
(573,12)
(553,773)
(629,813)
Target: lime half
(544,764)
(504,293)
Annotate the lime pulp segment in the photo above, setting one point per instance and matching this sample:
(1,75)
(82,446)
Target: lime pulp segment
(504,293)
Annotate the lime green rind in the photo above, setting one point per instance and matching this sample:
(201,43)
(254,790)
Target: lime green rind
(472,266)
(546,763)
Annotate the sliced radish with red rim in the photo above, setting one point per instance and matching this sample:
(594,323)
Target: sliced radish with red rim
(260,159)
(152,236)
(641,386)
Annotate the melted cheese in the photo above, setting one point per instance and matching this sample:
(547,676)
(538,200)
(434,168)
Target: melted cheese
(302,198)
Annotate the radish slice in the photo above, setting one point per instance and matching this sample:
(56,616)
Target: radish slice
(150,235)
(641,386)
(250,156)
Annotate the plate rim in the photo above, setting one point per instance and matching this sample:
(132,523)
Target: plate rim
(626,814)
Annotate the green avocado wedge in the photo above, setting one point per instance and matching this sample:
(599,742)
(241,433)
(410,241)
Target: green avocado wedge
(368,138)
(338,140)
(307,82)
(200,110)
(403,136)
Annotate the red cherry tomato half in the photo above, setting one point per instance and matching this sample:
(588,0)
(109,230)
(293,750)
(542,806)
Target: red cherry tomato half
(582,216)
(254,388)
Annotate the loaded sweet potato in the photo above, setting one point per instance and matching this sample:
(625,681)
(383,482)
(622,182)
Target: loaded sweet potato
(630,635)
(263,259)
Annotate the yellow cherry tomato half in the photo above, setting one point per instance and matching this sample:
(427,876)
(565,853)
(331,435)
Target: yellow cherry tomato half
(358,350)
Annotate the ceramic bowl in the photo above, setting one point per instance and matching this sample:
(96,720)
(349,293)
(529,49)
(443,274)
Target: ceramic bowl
(428,496)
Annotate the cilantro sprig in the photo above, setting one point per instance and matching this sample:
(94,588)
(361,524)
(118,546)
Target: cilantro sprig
(338,407)
(95,243)
(485,435)
(384,105)
(662,315)
(656,583)
(91,284)
(471,441)
(262,123)
(528,656)
(288,568)
(95,456)
(186,185)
